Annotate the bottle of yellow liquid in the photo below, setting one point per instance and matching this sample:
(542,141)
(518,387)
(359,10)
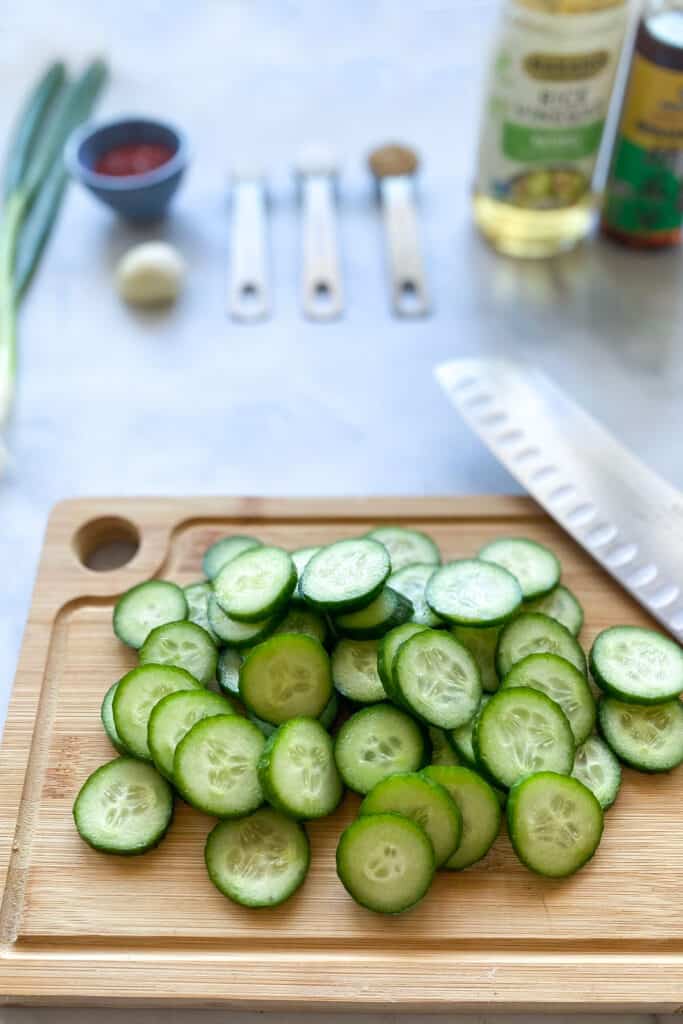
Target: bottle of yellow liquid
(546,104)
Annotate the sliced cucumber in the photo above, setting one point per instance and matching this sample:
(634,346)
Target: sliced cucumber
(301,558)
(124,807)
(183,645)
(135,696)
(259,861)
(482,644)
(411,581)
(563,683)
(239,634)
(479,808)
(555,823)
(377,742)
(385,862)
(596,766)
(562,605)
(198,596)
(406,546)
(255,585)
(300,619)
(297,770)
(107,716)
(442,752)
(387,651)
(648,737)
(173,717)
(533,633)
(215,766)
(472,592)
(287,676)
(437,678)
(521,731)
(347,575)
(228,672)
(326,719)
(535,566)
(225,550)
(462,737)
(388,610)
(146,606)
(636,664)
(426,802)
(355,673)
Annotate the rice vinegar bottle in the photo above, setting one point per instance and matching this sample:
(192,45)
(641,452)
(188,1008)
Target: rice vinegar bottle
(548,95)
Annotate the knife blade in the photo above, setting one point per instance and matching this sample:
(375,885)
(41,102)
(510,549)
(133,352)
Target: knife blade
(624,515)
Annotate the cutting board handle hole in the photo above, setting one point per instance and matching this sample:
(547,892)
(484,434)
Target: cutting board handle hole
(107,543)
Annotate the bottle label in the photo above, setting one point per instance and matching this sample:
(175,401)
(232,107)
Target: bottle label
(644,192)
(547,101)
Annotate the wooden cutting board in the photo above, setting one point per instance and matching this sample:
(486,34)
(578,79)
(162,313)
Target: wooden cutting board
(77,926)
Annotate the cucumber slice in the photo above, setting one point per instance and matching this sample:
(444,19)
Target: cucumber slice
(225,550)
(124,807)
(479,808)
(326,719)
(355,673)
(255,585)
(597,768)
(347,575)
(301,558)
(377,742)
(146,606)
(182,645)
(388,610)
(107,716)
(198,596)
(562,605)
(648,737)
(535,566)
(228,672)
(426,802)
(297,770)
(304,620)
(482,644)
(287,676)
(559,680)
(636,664)
(406,546)
(387,651)
(437,678)
(259,861)
(555,823)
(462,738)
(411,581)
(442,752)
(533,633)
(173,717)
(215,766)
(521,731)
(385,862)
(135,696)
(472,592)
(239,634)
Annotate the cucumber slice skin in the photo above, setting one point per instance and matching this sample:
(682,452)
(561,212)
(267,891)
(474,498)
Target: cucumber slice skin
(231,835)
(480,810)
(367,728)
(195,704)
(481,643)
(335,558)
(292,742)
(304,655)
(617,678)
(371,832)
(473,592)
(158,649)
(424,801)
(355,672)
(563,683)
(462,738)
(134,619)
(387,651)
(228,672)
(234,580)
(326,719)
(606,788)
(557,737)
(563,606)
(406,547)
(387,611)
(640,759)
(107,716)
(240,634)
(535,566)
(411,581)
(164,679)
(198,596)
(122,769)
(217,556)
(438,679)
(234,770)
(520,811)
(548,636)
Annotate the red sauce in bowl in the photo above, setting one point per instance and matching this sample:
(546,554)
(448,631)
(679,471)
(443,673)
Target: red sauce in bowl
(133,158)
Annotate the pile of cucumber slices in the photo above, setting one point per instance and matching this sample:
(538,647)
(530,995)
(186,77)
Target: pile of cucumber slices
(462,690)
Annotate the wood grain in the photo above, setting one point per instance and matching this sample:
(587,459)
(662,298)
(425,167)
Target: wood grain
(79,927)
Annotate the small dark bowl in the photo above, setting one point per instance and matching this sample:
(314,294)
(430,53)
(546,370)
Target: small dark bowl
(137,197)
